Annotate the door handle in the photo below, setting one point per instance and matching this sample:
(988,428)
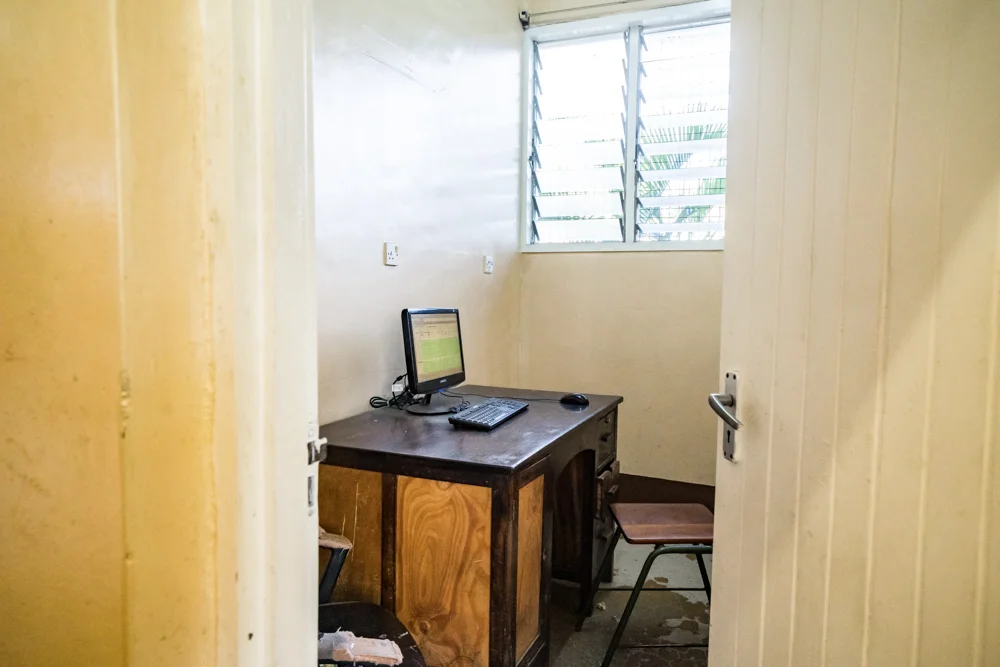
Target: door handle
(724,405)
(719,403)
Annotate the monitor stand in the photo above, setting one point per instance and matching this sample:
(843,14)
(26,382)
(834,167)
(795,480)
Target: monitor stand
(442,405)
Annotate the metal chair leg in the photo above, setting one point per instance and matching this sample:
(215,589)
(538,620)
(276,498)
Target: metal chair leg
(661,550)
(704,576)
(331,573)
(588,608)
(617,637)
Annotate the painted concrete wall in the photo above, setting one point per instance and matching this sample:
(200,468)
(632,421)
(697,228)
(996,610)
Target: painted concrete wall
(862,525)
(416,122)
(643,325)
(651,335)
(61,539)
(584,9)
(107,380)
(417,116)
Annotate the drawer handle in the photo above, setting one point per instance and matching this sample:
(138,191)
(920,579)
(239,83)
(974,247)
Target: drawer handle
(606,437)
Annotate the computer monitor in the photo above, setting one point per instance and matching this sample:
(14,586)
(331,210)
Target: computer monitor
(432,340)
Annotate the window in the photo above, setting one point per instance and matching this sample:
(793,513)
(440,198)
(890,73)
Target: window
(626,130)
(578,152)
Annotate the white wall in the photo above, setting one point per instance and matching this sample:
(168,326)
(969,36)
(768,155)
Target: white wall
(417,115)
(644,325)
(580,9)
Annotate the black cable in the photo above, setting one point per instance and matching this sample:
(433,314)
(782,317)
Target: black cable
(398,401)
(513,398)
(461,406)
(406,397)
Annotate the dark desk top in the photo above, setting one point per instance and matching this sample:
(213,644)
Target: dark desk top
(388,432)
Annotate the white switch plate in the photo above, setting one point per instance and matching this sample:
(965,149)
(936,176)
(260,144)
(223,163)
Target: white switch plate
(390,254)
(487,263)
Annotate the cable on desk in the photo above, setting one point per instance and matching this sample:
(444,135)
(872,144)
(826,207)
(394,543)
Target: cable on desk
(398,401)
(513,398)
(461,406)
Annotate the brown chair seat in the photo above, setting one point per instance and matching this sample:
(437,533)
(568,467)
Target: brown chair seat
(333,541)
(338,546)
(664,523)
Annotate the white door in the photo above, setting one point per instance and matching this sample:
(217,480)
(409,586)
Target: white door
(275,284)
(293,581)
(860,522)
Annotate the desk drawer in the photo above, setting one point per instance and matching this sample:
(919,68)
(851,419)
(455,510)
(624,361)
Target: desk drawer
(607,489)
(607,438)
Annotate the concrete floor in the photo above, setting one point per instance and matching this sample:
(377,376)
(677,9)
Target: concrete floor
(659,617)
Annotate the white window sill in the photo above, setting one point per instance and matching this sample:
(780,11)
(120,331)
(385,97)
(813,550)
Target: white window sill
(614,246)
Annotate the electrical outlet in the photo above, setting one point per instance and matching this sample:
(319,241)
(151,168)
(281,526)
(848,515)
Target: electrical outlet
(487,263)
(390,254)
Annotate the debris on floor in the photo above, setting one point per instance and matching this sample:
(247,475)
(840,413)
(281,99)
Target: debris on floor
(346,647)
(659,617)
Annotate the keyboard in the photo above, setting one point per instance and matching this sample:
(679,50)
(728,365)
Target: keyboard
(489,414)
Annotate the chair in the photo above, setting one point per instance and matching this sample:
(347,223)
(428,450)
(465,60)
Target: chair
(364,619)
(338,546)
(671,529)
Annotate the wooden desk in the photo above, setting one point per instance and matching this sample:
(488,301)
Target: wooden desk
(453,529)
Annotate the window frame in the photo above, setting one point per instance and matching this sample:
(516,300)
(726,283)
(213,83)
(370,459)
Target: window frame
(693,14)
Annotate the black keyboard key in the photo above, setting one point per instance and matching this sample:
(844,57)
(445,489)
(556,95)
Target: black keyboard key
(489,414)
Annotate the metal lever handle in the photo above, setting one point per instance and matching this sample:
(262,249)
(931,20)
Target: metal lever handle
(719,403)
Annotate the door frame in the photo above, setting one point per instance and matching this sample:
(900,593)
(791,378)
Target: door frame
(258,111)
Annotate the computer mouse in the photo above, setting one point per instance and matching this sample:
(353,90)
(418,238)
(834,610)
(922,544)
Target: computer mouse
(574,399)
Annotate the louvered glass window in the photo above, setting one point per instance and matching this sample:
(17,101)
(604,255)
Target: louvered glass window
(628,134)
(683,106)
(578,142)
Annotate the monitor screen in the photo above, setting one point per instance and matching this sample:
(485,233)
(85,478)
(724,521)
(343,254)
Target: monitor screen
(434,343)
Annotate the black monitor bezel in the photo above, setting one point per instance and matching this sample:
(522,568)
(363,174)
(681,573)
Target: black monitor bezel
(436,384)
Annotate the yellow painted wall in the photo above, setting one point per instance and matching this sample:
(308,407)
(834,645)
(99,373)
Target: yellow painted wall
(644,325)
(417,117)
(166,290)
(862,306)
(61,538)
(107,384)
